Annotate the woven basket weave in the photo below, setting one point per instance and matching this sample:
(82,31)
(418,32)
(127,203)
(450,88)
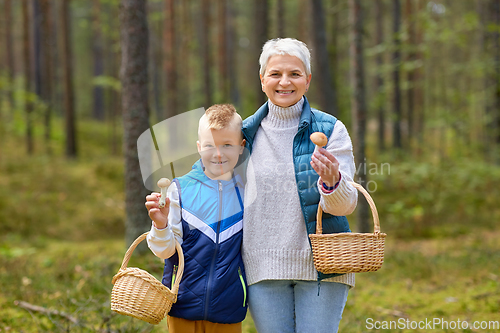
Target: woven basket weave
(348,252)
(138,294)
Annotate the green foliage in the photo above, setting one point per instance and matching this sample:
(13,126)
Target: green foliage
(107,82)
(74,278)
(51,196)
(49,205)
(440,261)
(447,278)
(439,278)
(423,199)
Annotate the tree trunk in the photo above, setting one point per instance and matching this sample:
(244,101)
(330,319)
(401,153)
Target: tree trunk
(281,19)
(186,38)
(334,52)
(485,19)
(156,57)
(261,27)
(418,79)
(396,60)
(358,105)
(379,15)
(134,78)
(28,104)
(231,57)
(223,50)
(9,53)
(2,87)
(67,65)
(170,59)
(97,54)
(57,91)
(115,103)
(205,52)
(496,110)
(47,71)
(327,95)
(303,31)
(37,27)
(410,18)
(112,69)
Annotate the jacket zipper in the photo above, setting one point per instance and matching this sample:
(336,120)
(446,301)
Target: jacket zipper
(174,274)
(244,287)
(214,257)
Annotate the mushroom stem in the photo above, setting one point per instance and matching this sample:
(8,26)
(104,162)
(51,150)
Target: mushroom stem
(163,184)
(163,197)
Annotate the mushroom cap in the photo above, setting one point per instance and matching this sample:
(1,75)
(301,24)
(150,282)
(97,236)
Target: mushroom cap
(163,182)
(319,139)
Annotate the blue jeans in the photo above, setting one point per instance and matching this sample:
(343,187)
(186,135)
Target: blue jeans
(290,306)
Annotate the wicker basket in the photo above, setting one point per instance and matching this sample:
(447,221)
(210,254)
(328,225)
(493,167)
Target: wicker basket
(138,294)
(348,252)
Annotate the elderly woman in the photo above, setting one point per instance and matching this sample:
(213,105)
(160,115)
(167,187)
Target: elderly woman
(287,179)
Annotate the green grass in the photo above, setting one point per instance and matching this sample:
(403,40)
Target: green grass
(74,278)
(56,197)
(452,279)
(62,230)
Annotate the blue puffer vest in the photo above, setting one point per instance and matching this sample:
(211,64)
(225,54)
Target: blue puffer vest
(311,120)
(213,286)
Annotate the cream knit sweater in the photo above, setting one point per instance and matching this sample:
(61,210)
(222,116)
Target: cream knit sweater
(275,241)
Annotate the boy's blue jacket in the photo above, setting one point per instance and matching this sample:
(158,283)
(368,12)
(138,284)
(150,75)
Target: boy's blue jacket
(213,286)
(311,120)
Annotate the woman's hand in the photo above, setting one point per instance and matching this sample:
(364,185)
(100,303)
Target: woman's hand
(327,166)
(159,216)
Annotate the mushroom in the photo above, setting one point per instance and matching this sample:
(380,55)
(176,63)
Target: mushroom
(319,139)
(163,184)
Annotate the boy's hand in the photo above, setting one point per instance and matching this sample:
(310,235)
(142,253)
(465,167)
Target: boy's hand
(327,166)
(159,216)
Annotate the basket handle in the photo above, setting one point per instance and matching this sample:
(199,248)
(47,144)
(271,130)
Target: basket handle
(180,270)
(371,203)
(131,249)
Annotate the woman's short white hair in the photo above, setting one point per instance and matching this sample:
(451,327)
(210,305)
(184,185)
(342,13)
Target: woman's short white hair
(282,46)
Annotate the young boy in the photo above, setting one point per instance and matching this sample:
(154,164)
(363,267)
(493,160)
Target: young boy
(204,212)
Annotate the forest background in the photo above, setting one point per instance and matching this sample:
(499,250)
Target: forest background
(416,82)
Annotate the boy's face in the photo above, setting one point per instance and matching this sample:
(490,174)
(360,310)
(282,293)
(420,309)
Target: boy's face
(220,150)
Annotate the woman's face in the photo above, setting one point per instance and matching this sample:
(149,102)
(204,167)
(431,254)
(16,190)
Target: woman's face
(285,80)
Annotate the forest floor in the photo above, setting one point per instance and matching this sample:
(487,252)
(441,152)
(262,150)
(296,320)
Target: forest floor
(423,283)
(62,227)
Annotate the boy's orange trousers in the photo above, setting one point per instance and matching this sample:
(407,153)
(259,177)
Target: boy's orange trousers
(179,325)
